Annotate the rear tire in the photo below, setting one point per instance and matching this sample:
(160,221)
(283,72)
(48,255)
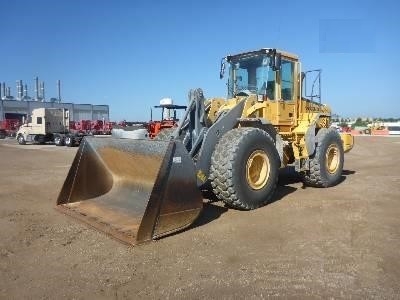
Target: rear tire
(35,139)
(42,140)
(69,141)
(244,168)
(21,140)
(59,140)
(326,165)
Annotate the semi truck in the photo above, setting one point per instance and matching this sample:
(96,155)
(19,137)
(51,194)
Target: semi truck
(49,125)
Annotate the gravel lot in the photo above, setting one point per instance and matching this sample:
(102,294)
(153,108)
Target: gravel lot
(341,242)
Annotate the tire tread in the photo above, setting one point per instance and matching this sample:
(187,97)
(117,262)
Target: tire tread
(314,177)
(221,171)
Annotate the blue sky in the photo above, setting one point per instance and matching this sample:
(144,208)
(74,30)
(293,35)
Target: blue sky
(130,54)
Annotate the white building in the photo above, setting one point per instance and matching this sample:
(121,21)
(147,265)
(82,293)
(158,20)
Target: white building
(393,127)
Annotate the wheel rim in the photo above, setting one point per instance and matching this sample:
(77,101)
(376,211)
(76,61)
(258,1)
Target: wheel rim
(257,169)
(332,158)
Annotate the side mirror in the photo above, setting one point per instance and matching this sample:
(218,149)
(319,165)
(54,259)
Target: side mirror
(222,69)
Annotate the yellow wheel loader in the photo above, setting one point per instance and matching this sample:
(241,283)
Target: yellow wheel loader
(139,190)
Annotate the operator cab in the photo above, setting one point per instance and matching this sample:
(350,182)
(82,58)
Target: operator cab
(265,72)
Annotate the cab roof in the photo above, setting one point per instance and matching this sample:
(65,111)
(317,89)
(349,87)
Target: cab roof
(284,54)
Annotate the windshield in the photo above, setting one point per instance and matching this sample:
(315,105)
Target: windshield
(251,75)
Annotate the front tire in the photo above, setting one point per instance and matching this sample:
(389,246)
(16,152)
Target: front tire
(326,165)
(244,168)
(21,140)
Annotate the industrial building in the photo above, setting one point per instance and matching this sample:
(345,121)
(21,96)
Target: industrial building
(21,106)
(14,109)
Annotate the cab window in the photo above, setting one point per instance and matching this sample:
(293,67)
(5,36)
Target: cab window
(270,89)
(287,83)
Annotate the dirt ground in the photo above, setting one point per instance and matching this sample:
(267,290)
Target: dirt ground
(341,242)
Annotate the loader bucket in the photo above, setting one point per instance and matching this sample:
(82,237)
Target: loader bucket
(133,190)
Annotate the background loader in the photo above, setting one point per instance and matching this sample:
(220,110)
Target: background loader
(140,190)
(168,119)
(164,126)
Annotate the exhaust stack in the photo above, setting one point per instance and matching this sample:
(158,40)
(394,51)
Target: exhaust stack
(42,96)
(17,83)
(3,90)
(59,90)
(19,90)
(36,88)
(25,91)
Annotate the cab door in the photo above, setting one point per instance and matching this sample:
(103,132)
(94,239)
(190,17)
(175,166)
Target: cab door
(286,92)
